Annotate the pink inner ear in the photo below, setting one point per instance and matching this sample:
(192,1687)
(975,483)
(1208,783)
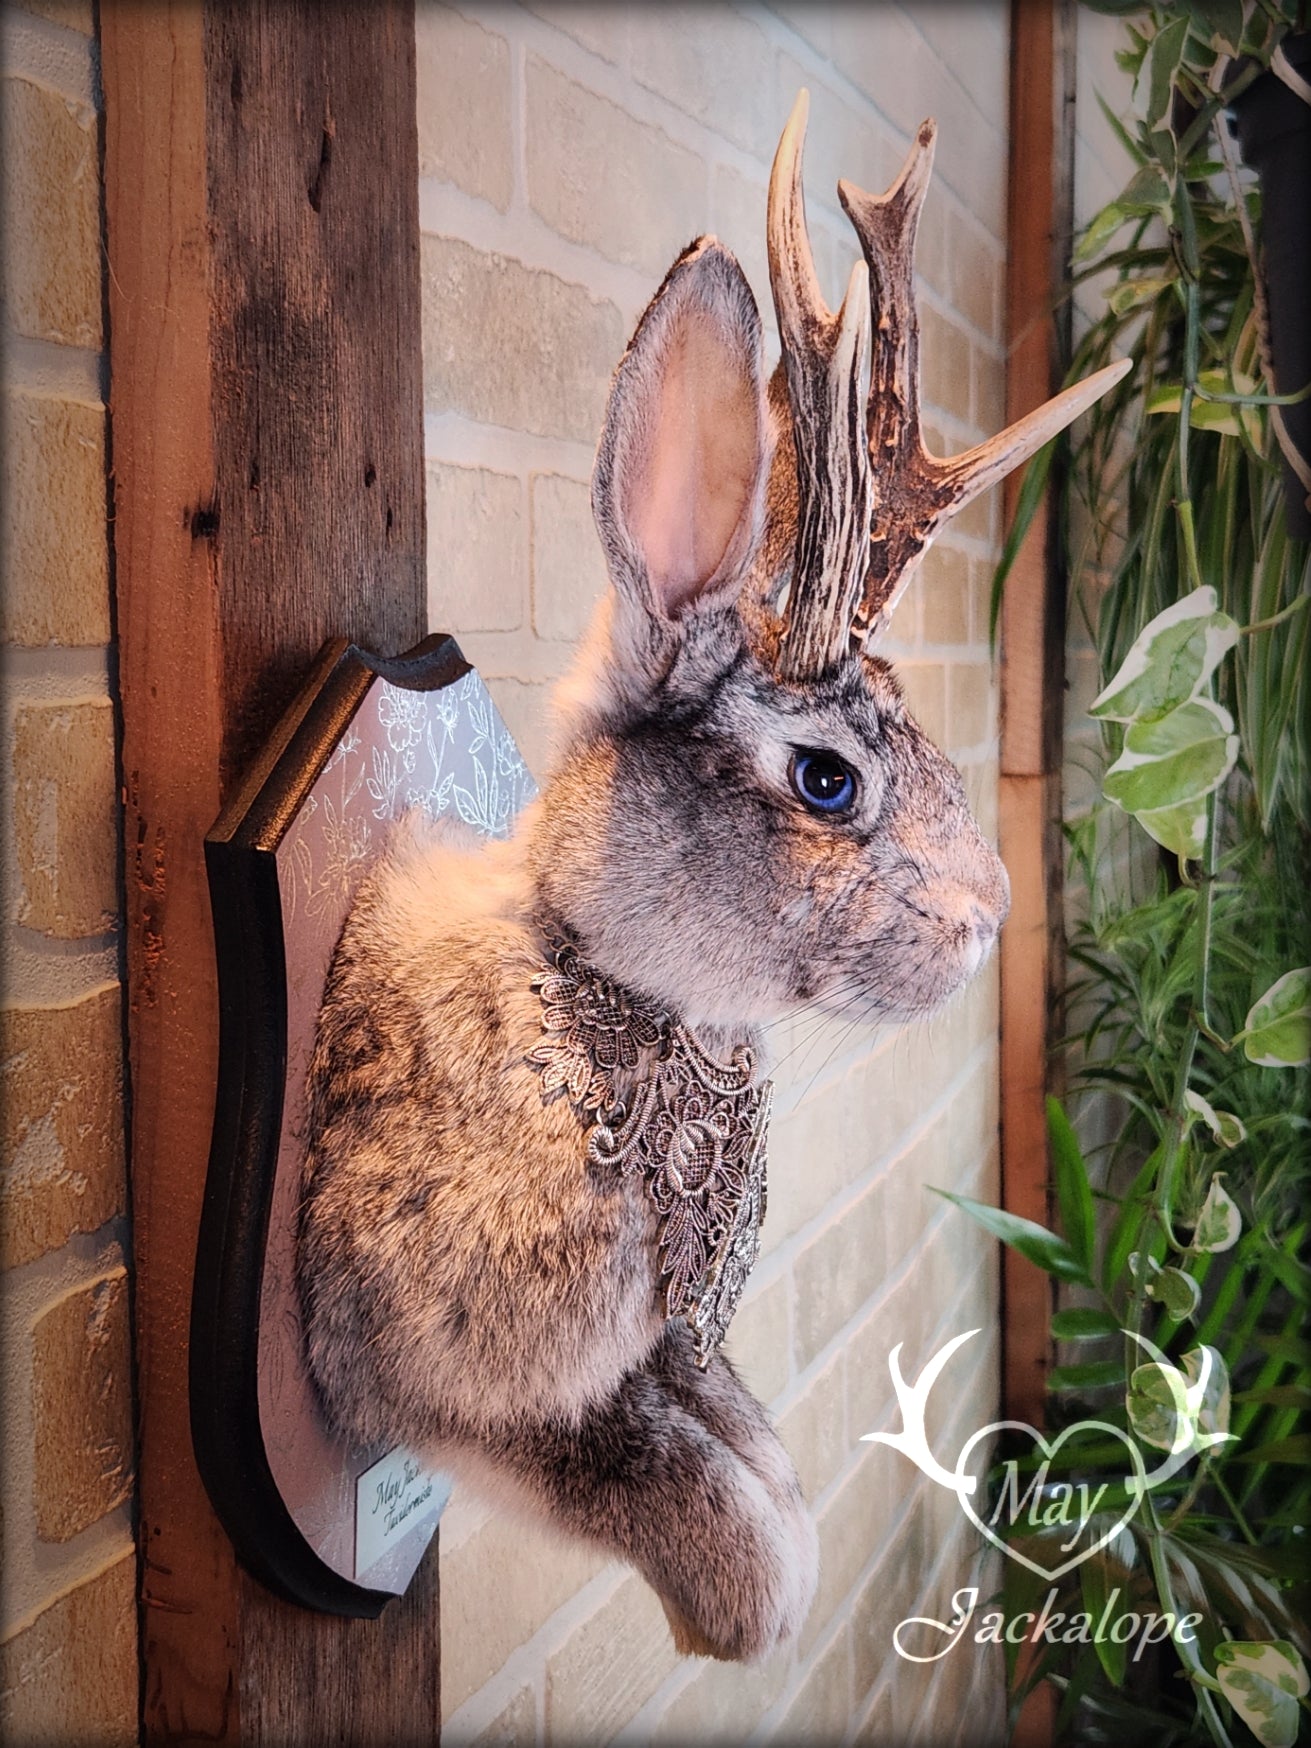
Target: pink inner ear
(695,484)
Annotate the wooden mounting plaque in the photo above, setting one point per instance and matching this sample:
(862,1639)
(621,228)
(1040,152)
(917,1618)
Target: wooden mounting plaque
(324,1523)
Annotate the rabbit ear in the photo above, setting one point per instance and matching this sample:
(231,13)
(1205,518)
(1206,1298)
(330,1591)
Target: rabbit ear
(678,485)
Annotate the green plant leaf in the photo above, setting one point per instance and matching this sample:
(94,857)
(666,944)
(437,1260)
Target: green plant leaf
(1170,660)
(1170,760)
(1155,1403)
(1180,829)
(1099,1577)
(1277,1030)
(1294,1450)
(1148,192)
(1131,294)
(1263,1683)
(1219,1223)
(1035,1242)
(1211,1414)
(1177,1291)
(1082,1323)
(1156,80)
(1073,1190)
(1220,22)
(1101,229)
(1096,1375)
(1224,1125)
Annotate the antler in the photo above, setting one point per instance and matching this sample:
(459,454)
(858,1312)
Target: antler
(824,361)
(911,493)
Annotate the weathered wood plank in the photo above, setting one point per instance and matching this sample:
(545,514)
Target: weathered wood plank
(262,226)
(1033,674)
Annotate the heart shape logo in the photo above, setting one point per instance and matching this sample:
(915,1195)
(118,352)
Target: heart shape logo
(1070,1505)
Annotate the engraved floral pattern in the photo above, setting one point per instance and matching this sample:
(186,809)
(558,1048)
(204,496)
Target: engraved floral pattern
(592,1027)
(696,1133)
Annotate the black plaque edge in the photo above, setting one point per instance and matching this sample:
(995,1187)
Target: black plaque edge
(250,954)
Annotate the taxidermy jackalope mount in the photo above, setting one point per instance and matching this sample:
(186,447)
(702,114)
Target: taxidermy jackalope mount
(535,1169)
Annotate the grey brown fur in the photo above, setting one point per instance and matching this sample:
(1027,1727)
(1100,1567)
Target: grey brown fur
(470,1286)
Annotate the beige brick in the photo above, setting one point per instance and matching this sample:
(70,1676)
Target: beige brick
(51,189)
(981,792)
(945,596)
(976,278)
(609,1666)
(841,141)
(981,575)
(72,1675)
(722,1702)
(65,818)
(813,1429)
(82,1392)
(890,1593)
(477,549)
(971,39)
(513,1727)
(726,83)
(759,1341)
(569,574)
(52,522)
(911,1203)
(882,53)
(988,376)
(813,24)
(971,694)
(602,29)
(851,1527)
(821,1710)
(63,1170)
(944,365)
(498,1586)
(870,1397)
(737,210)
(464,104)
(876,1730)
(925,686)
(602,179)
(838,1270)
(72,14)
(510,345)
(934,242)
(820,1148)
(979,517)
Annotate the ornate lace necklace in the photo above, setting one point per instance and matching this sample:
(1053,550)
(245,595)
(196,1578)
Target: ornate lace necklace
(695,1131)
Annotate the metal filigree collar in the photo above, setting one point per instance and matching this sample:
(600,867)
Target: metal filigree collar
(695,1131)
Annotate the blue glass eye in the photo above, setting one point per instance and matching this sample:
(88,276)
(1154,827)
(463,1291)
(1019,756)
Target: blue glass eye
(826,783)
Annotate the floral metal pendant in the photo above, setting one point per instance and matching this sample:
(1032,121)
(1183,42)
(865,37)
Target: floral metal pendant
(696,1132)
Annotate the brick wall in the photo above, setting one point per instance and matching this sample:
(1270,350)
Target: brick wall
(566,154)
(68,1662)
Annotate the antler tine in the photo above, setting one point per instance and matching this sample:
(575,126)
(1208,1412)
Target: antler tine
(886,228)
(914,492)
(824,361)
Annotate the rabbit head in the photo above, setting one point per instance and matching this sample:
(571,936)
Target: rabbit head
(745,816)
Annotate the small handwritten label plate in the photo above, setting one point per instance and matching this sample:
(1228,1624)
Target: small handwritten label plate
(395,1497)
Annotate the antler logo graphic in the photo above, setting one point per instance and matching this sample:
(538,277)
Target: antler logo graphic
(1081,1510)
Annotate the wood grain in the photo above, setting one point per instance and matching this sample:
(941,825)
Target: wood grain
(262,228)
(1039,222)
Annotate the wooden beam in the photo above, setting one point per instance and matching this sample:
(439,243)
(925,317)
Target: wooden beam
(261,187)
(1033,675)
(1032,709)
